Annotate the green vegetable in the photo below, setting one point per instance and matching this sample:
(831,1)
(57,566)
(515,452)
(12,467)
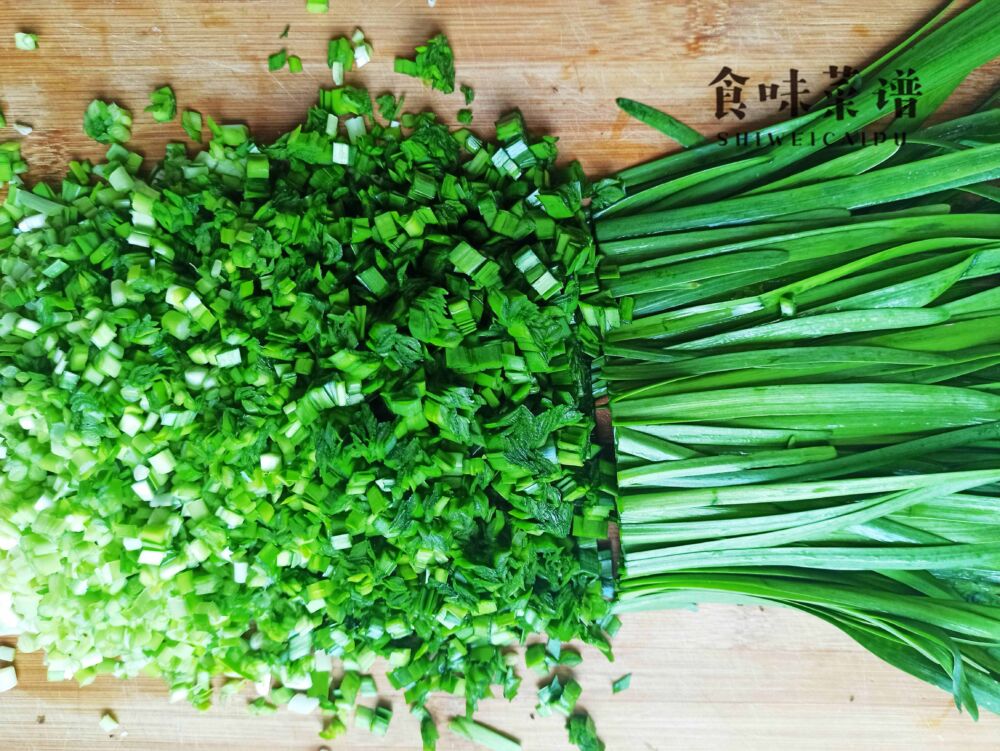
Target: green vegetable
(11,163)
(25,41)
(482,735)
(108,723)
(163,105)
(621,684)
(583,733)
(317,6)
(468,93)
(375,721)
(558,696)
(804,387)
(3,120)
(361,48)
(434,64)
(464,116)
(191,122)
(308,404)
(389,106)
(340,58)
(106,122)
(294,64)
(661,121)
(277,60)
(284,33)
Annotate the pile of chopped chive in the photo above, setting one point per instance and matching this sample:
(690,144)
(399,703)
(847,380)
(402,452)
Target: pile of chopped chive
(276,411)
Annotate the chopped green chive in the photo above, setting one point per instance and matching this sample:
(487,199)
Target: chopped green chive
(25,41)
(163,104)
(277,60)
(482,735)
(191,122)
(583,733)
(107,122)
(108,723)
(434,64)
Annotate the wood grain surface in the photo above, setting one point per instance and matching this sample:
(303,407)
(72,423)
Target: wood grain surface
(718,679)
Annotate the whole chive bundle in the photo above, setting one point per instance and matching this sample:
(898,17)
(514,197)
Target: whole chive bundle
(806,398)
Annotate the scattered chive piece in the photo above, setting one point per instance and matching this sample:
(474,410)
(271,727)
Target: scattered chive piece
(22,128)
(25,41)
(483,735)
(277,60)
(284,34)
(558,696)
(163,105)
(621,684)
(11,163)
(469,93)
(375,721)
(434,64)
(362,49)
(294,63)
(3,120)
(333,729)
(464,116)
(108,723)
(317,6)
(340,58)
(107,122)
(191,122)
(583,733)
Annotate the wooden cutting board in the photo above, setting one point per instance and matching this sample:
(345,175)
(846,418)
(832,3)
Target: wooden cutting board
(722,678)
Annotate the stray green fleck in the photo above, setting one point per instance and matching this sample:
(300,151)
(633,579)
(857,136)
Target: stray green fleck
(621,684)
(284,34)
(464,116)
(317,6)
(295,63)
(468,92)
